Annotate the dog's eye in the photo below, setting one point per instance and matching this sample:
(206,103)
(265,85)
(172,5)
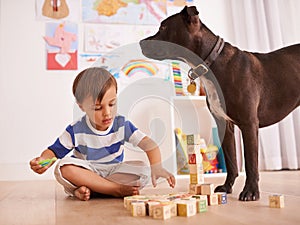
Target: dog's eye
(161,28)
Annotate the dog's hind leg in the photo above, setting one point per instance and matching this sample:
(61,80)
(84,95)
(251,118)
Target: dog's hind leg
(250,139)
(228,146)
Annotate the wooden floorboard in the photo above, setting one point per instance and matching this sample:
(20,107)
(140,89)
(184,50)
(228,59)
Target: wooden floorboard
(44,202)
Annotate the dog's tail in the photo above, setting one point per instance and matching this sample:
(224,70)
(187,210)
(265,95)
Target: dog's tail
(214,100)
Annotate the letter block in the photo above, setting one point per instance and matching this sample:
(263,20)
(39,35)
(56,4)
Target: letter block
(207,189)
(222,197)
(138,208)
(276,201)
(186,208)
(162,211)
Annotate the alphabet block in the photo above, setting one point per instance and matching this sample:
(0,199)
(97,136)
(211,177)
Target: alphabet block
(138,208)
(222,197)
(186,207)
(213,199)
(207,189)
(162,212)
(195,189)
(276,201)
(193,139)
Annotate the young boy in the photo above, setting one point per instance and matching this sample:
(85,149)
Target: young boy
(96,141)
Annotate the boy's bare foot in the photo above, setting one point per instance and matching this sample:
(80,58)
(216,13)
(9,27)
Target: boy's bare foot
(82,193)
(126,190)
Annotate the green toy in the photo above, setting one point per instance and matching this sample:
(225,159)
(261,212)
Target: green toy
(47,161)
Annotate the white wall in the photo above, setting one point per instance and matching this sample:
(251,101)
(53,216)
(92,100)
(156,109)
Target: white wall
(36,104)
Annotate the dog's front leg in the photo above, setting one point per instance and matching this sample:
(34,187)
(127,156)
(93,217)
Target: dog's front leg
(228,146)
(250,139)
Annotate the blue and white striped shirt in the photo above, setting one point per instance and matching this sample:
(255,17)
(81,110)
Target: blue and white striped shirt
(94,145)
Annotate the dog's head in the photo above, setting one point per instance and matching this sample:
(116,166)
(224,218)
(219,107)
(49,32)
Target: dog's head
(176,33)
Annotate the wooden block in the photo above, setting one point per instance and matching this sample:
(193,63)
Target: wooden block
(207,189)
(193,149)
(197,179)
(193,139)
(173,208)
(186,208)
(125,201)
(149,207)
(195,159)
(195,189)
(201,205)
(276,201)
(138,208)
(196,168)
(129,199)
(201,197)
(162,211)
(213,199)
(186,196)
(222,197)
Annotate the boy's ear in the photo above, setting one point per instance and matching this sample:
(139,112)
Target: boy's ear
(80,106)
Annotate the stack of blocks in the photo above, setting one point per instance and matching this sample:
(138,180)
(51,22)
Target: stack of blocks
(168,206)
(185,204)
(195,162)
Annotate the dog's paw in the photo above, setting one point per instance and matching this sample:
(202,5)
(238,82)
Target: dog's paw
(249,195)
(224,188)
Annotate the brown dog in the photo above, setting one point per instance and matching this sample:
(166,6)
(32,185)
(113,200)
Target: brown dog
(259,89)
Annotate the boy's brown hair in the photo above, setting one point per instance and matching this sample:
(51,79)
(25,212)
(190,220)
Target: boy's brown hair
(94,82)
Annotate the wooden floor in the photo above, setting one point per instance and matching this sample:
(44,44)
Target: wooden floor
(44,202)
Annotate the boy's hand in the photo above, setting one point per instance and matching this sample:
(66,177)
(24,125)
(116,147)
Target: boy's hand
(36,167)
(158,171)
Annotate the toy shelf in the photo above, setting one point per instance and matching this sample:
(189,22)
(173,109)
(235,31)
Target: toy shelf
(191,114)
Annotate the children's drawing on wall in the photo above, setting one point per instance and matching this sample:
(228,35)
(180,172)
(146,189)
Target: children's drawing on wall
(57,10)
(124,11)
(86,60)
(127,70)
(137,69)
(106,38)
(175,6)
(62,45)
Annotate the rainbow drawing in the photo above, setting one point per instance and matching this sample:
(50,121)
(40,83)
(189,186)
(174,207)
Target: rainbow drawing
(177,78)
(139,66)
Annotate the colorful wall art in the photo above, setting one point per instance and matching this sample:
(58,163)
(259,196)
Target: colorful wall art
(61,45)
(57,9)
(107,37)
(121,11)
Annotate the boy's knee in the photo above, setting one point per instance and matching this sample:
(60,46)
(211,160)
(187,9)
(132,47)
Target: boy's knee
(67,170)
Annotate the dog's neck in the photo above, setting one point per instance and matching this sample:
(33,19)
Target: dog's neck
(214,52)
(211,48)
(209,51)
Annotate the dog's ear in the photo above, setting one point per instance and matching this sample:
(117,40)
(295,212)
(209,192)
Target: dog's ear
(189,13)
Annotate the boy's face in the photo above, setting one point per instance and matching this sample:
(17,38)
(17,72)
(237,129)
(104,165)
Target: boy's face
(101,114)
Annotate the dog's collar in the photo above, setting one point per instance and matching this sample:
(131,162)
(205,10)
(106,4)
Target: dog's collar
(201,69)
(215,52)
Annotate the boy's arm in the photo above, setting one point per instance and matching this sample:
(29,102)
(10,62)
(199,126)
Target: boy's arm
(154,156)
